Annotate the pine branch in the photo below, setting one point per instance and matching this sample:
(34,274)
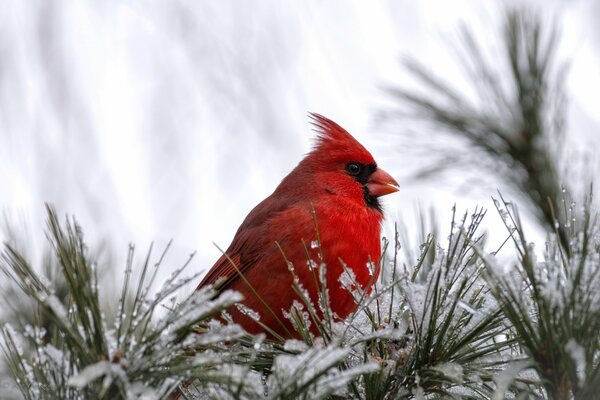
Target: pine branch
(515,128)
(554,306)
(439,336)
(85,357)
(431,329)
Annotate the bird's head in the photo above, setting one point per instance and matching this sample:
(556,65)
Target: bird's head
(342,166)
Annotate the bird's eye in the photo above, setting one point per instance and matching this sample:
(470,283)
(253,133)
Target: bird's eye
(353,168)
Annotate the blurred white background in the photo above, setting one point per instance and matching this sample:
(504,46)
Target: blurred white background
(152,120)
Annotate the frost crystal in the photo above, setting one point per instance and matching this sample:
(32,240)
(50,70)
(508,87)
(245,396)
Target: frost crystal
(416,295)
(451,370)
(290,266)
(371,268)
(248,311)
(491,261)
(314,244)
(57,306)
(90,374)
(199,306)
(225,333)
(297,310)
(314,373)
(54,354)
(294,345)
(347,279)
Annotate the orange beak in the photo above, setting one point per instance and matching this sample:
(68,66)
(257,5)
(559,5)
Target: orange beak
(381,183)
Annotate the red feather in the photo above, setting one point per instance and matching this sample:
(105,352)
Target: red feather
(349,224)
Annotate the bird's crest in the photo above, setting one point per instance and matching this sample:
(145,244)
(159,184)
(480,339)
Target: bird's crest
(333,141)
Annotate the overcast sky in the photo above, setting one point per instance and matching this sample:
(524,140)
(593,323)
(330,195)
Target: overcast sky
(152,120)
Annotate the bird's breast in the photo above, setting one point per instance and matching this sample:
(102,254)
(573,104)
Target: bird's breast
(350,246)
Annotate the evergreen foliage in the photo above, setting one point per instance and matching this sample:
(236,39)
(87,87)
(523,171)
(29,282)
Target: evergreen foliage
(515,127)
(450,322)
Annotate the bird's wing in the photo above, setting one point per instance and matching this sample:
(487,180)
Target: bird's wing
(234,261)
(250,242)
(222,271)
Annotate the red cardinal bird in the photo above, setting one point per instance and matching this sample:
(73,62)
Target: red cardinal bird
(340,183)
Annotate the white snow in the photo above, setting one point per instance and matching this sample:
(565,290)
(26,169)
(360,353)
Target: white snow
(577,354)
(451,370)
(90,374)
